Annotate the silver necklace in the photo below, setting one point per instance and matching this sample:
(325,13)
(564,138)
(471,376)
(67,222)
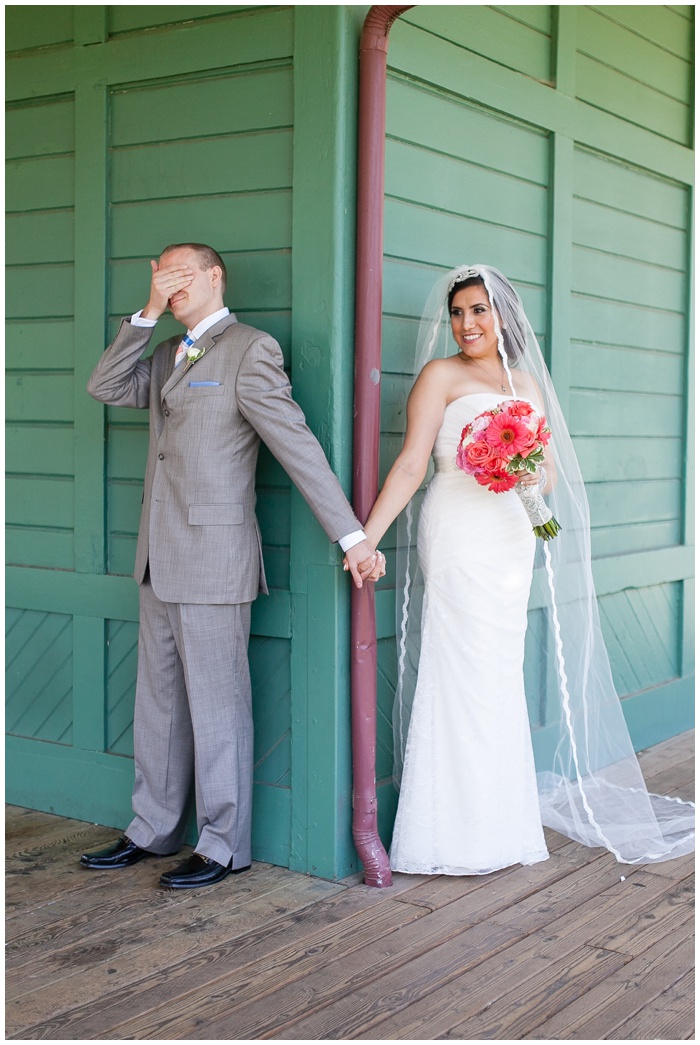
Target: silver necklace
(467,359)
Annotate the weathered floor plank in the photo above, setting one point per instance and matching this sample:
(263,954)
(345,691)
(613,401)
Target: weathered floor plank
(575,948)
(531,957)
(621,996)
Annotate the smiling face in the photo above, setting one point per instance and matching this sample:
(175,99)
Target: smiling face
(473,326)
(204,294)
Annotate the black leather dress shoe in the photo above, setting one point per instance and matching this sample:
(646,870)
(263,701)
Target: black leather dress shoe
(123,853)
(196,872)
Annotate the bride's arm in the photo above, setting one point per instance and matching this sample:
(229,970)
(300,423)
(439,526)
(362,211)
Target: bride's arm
(425,411)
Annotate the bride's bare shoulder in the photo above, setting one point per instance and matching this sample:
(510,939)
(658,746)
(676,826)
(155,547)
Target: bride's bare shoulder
(434,381)
(439,370)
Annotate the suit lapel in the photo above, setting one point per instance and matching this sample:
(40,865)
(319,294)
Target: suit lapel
(204,343)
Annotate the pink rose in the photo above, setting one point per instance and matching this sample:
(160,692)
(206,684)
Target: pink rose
(480,454)
(519,408)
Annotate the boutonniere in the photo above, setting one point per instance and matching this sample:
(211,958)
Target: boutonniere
(193,354)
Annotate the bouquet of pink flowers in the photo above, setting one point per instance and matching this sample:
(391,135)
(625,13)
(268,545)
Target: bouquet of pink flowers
(501,442)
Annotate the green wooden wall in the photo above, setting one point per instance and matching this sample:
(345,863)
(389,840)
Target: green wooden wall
(554,143)
(130,127)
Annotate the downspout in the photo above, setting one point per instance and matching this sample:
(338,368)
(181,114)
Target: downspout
(374,45)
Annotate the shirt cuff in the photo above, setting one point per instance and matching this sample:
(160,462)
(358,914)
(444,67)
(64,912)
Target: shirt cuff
(346,543)
(137,320)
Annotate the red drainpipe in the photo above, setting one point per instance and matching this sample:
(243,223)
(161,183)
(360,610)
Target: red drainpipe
(374,45)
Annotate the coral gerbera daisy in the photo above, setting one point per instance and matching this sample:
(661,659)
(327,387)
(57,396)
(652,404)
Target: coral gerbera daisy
(507,434)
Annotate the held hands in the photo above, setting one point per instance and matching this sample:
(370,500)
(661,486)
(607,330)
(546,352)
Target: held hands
(364,563)
(165,282)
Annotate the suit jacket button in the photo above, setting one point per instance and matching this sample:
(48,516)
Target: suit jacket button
(167,413)
(161,457)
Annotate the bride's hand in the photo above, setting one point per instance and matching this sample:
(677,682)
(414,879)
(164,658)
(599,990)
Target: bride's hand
(371,569)
(529,478)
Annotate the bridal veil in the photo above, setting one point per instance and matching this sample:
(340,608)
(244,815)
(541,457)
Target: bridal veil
(589,779)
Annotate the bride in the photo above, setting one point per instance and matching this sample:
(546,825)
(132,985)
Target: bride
(471,800)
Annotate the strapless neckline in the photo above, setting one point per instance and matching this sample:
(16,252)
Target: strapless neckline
(476,395)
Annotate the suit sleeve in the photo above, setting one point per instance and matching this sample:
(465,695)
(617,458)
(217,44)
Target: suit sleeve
(122,378)
(265,399)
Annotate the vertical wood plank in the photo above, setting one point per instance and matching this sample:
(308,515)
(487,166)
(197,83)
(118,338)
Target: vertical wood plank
(331,853)
(89,703)
(298,852)
(89,24)
(687,623)
(90,322)
(687,629)
(322,287)
(322,252)
(564,44)
(560,276)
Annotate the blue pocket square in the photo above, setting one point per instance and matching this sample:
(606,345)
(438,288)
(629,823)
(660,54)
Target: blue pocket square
(204,384)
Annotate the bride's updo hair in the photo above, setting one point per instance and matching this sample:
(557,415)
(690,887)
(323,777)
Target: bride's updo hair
(511,316)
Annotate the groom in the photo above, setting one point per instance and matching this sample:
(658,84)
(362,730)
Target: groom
(211,397)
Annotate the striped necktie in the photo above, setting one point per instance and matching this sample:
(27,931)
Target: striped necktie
(186,342)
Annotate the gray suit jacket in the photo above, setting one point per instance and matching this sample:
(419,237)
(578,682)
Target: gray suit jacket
(198,533)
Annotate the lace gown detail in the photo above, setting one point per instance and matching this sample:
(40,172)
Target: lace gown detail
(468,801)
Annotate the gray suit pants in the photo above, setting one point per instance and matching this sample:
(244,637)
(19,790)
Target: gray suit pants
(193,724)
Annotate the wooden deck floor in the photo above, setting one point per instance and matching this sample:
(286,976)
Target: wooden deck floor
(578,947)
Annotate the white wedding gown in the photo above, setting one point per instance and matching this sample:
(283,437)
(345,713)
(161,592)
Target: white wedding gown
(468,802)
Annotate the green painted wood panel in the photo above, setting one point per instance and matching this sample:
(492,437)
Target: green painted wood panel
(628,369)
(253,100)
(387,676)
(39,675)
(632,77)
(452,127)
(40,130)
(260,221)
(122,653)
(37,25)
(602,228)
(123,18)
(644,60)
(37,291)
(39,501)
(239,163)
(640,629)
(441,182)
(270,679)
(41,547)
(39,182)
(618,323)
(40,397)
(674,34)
(47,236)
(39,449)
(42,345)
(629,189)
(616,458)
(635,370)
(498,33)
(539,16)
